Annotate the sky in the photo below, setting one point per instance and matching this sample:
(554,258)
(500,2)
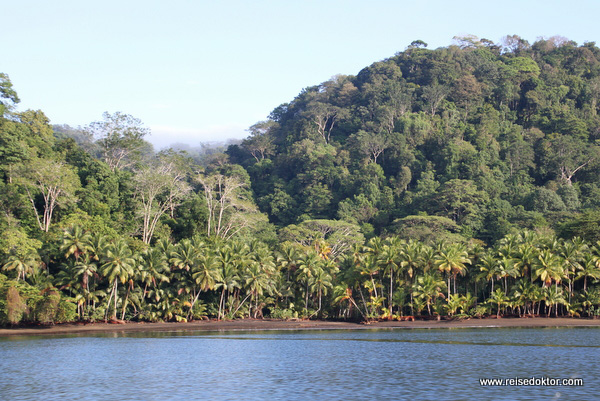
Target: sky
(199,71)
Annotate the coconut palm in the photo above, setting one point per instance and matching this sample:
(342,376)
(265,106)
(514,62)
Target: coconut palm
(490,269)
(554,296)
(75,241)
(589,268)
(154,268)
(526,292)
(85,268)
(205,274)
(548,267)
(571,253)
(320,283)
(525,259)
(228,277)
(507,267)
(23,264)
(184,255)
(257,282)
(391,260)
(499,298)
(307,264)
(428,288)
(452,259)
(118,266)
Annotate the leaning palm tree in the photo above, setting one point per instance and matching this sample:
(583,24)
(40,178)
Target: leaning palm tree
(118,266)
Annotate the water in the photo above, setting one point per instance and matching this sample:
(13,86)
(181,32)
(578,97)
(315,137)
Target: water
(434,364)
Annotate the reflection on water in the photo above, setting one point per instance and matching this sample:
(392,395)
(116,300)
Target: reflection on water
(297,365)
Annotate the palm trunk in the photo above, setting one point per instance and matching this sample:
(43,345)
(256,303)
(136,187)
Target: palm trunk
(125,305)
(115,301)
(391,290)
(221,303)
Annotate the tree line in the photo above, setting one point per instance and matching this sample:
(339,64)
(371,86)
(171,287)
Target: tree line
(456,181)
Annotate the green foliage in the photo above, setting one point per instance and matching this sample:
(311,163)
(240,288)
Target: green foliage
(443,150)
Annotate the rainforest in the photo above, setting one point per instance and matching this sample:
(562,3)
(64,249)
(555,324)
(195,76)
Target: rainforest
(456,182)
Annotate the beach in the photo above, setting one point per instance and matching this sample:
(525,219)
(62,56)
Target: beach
(269,324)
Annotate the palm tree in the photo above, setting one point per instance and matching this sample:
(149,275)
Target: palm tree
(184,255)
(320,283)
(499,298)
(428,288)
(571,253)
(554,296)
(85,268)
(390,258)
(154,268)
(488,265)
(548,268)
(307,264)
(507,267)
(590,267)
(76,242)
(452,259)
(525,259)
(118,266)
(205,274)
(228,277)
(525,292)
(23,264)
(257,283)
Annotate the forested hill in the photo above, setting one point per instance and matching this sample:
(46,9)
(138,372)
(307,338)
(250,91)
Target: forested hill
(435,181)
(475,140)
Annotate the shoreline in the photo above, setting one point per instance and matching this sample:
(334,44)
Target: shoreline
(267,324)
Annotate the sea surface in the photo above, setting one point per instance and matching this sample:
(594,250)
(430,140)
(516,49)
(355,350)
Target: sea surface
(379,364)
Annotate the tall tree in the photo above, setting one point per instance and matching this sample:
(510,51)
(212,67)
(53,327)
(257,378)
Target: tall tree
(121,138)
(54,181)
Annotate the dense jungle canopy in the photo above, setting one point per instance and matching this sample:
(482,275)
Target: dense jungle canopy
(461,180)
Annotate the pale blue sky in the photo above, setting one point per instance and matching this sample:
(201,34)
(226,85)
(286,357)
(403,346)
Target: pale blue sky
(198,71)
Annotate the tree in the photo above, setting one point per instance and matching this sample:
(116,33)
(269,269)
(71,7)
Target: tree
(75,241)
(567,155)
(260,143)
(452,260)
(372,144)
(54,181)
(8,96)
(230,209)
(434,95)
(121,138)
(428,288)
(159,187)
(340,235)
(118,266)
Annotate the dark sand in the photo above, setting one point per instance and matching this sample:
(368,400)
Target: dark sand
(252,324)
